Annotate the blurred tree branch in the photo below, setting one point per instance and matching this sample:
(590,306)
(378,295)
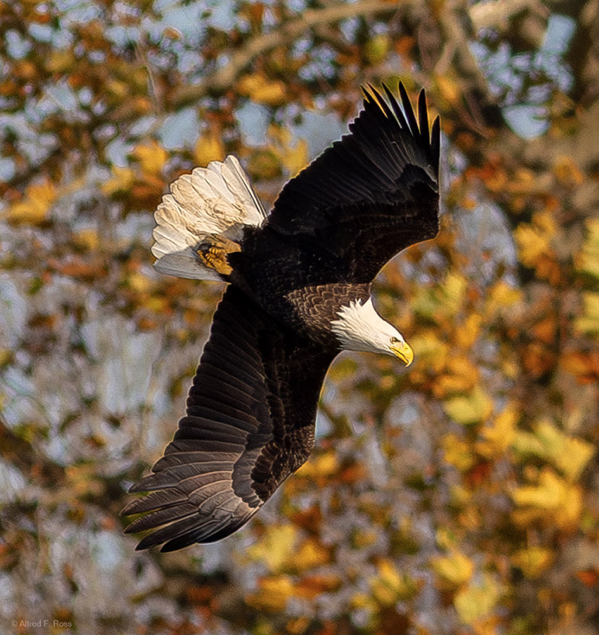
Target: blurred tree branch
(500,14)
(287,32)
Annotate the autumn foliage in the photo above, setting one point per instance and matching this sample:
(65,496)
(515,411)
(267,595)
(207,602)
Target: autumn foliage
(458,497)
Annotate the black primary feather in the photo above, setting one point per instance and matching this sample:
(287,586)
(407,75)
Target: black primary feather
(249,425)
(370,195)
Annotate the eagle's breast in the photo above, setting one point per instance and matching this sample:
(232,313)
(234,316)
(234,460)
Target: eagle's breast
(311,310)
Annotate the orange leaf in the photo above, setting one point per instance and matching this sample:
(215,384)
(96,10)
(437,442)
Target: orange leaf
(567,171)
(312,586)
(584,366)
(589,577)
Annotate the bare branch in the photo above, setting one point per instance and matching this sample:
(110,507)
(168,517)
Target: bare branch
(224,77)
(499,13)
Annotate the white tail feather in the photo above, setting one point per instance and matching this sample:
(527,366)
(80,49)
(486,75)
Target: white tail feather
(218,199)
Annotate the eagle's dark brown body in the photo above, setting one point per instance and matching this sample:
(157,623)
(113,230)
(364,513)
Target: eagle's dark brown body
(295,293)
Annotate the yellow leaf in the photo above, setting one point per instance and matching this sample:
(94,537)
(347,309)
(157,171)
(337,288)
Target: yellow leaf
(151,157)
(271,94)
(262,90)
(454,290)
(443,301)
(429,349)
(458,453)
(498,437)
(532,244)
(60,60)
(547,494)
(122,180)
(534,240)
(478,601)
(425,303)
(589,322)
(310,554)
(533,561)
(588,261)
(157,305)
(501,297)
(522,181)
(552,500)
(377,48)
(295,158)
(390,586)
(87,239)
(545,222)
(5,357)
(272,595)
(449,89)
(462,367)
(320,466)
(363,601)
(461,376)
(33,208)
(292,154)
(527,443)
(209,147)
(116,89)
(453,570)
(570,455)
(281,136)
(445,538)
(568,516)
(460,497)
(468,333)
(275,548)
(139,283)
(474,408)
(264,164)
(363,537)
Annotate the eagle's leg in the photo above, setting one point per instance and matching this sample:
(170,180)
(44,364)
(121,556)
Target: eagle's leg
(212,252)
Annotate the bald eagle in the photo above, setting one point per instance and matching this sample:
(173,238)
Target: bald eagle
(299,293)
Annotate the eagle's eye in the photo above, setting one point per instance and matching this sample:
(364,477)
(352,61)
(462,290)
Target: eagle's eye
(394,340)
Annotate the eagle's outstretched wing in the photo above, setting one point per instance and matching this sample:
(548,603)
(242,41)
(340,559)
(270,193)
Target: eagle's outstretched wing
(368,196)
(249,425)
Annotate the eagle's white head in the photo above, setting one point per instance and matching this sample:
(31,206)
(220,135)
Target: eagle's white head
(361,328)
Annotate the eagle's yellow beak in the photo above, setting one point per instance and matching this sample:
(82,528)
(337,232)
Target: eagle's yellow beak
(404,352)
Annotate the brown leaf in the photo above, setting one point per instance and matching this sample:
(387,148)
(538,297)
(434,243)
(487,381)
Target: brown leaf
(312,586)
